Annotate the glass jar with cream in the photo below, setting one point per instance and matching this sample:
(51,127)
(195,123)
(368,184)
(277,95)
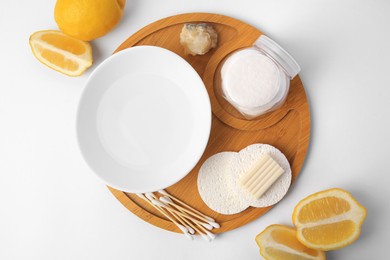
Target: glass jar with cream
(256,80)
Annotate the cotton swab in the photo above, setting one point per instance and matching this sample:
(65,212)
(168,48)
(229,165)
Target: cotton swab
(181,227)
(162,204)
(214,224)
(185,205)
(190,230)
(155,201)
(209,225)
(182,215)
(201,225)
(167,200)
(188,224)
(182,221)
(206,234)
(160,210)
(150,195)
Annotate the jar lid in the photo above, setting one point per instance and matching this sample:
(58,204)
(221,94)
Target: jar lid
(285,60)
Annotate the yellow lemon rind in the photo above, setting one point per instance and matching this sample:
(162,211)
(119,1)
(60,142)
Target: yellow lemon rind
(84,20)
(356,214)
(265,236)
(84,61)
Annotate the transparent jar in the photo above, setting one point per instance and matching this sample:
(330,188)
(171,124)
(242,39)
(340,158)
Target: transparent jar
(256,80)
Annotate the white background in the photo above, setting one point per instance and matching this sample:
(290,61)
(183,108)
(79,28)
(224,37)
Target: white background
(53,207)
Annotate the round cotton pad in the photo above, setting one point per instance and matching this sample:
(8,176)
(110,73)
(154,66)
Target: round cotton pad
(252,82)
(250,79)
(219,179)
(214,185)
(246,158)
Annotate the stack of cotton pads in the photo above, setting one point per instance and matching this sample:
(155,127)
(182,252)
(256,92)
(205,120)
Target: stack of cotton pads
(219,179)
(253,83)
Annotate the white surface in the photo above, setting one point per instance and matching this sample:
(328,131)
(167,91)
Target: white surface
(144,119)
(54,207)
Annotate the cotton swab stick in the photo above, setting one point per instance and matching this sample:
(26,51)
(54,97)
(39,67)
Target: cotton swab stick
(210,224)
(191,231)
(154,200)
(202,231)
(189,225)
(182,221)
(181,227)
(163,205)
(163,192)
(207,226)
(160,210)
(185,217)
(206,234)
(150,195)
(214,224)
(167,200)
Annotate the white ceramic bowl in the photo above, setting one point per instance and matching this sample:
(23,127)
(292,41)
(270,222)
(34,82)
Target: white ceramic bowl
(144,119)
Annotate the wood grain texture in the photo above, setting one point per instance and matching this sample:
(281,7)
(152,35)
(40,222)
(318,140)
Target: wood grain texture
(287,128)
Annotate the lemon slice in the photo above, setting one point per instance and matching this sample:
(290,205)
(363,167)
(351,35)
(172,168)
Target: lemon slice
(328,220)
(61,52)
(278,242)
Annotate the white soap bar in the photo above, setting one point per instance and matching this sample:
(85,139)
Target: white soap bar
(219,179)
(261,176)
(247,158)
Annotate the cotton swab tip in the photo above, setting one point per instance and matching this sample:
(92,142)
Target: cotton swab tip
(191,230)
(214,224)
(151,195)
(207,226)
(165,200)
(209,219)
(163,192)
(210,235)
(182,228)
(157,202)
(168,199)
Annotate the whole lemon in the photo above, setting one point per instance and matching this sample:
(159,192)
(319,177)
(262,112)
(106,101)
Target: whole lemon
(88,19)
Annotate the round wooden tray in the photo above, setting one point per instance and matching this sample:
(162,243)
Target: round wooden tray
(287,128)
